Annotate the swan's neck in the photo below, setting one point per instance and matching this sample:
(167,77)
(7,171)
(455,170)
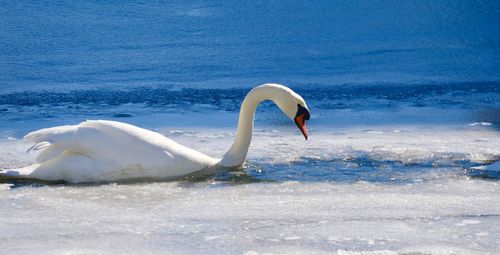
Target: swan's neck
(236,155)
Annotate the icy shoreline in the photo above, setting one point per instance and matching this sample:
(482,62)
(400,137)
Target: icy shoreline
(364,183)
(440,217)
(388,172)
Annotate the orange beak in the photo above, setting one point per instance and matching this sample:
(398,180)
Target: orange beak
(301,123)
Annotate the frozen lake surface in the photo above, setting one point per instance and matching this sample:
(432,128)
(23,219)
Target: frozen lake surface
(363,183)
(405,114)
(455,216)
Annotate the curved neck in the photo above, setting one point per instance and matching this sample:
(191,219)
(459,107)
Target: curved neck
(236,155)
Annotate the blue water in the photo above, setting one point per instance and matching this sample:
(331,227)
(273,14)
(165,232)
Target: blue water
(82,44)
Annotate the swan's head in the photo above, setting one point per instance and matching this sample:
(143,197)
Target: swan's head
(291,103)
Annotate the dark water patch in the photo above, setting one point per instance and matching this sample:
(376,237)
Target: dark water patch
(322,96)
(484,174)
(384,51)
(346,171)
(365,169)
(222,177)
(15,182)
(336,171)
(226,99)
(122,115)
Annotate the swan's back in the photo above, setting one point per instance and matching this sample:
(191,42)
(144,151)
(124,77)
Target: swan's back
(109,150)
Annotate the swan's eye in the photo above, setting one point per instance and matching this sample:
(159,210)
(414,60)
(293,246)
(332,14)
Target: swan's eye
(301,110)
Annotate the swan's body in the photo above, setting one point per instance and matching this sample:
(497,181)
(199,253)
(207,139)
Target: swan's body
(108,150)
(100,150)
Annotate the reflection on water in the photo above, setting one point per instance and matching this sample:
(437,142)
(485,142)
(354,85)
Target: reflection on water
(357,169)
(349,170)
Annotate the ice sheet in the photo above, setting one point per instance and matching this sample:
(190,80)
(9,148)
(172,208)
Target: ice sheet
(370,188)
(438,217)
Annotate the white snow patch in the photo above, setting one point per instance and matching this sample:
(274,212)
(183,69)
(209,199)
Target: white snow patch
(201,218)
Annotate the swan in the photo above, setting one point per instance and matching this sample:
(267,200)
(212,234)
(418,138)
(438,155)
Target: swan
(103,150)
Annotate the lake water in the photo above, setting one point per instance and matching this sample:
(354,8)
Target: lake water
(404,100)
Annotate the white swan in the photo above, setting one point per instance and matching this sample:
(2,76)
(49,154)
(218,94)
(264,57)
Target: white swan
(99,150)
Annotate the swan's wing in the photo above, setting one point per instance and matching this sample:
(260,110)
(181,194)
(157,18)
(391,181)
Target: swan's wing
(48,153)
(43,138)
(116,147)
(96,139)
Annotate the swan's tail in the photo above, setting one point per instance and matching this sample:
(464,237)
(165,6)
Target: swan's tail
(50,143)
(19,173)
(47,140)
